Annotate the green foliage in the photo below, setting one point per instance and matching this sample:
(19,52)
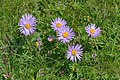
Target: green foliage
(21,60)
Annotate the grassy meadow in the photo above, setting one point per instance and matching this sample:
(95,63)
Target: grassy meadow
(20,59)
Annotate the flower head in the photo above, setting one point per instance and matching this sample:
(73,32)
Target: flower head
(92,30)
(65,34)
(38,43)
(27,23)
(73,52)
(93,55)
(58,23)
(50,38)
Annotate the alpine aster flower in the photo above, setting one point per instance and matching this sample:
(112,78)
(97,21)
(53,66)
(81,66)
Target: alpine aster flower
(27,23)
(38,43)
(92,30)
(65,34)
(50,38)
(58,23)
(73,52)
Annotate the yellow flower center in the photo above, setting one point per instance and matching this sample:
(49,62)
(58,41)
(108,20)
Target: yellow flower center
(37,44)
(58,25)
(73,52)
(65,34)
(50,39)
(27,26)
(92,31)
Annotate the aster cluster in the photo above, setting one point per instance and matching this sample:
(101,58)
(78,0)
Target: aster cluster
(64,34)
